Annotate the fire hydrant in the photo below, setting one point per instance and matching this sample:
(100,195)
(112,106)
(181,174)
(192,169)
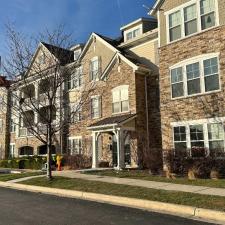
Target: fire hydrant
(59,162)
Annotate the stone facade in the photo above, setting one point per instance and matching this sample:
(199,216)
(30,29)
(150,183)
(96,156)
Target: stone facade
(143,90)
(197,107)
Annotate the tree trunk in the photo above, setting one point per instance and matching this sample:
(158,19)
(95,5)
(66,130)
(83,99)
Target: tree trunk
(49,154)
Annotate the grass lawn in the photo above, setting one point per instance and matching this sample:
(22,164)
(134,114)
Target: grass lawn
(203,201)
(7,177)
(144,175)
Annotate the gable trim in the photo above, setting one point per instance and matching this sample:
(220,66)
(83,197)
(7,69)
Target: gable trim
(115,57)
(94,35)
(155,7)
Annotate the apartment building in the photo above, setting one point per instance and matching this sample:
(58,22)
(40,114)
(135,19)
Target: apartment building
(191,51)
(118,123)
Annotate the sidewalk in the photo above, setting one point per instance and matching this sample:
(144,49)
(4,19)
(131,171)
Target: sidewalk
(144,183)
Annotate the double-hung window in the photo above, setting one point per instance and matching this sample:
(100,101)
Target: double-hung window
(189,19)
(75,80)
(120,99)
(207,11)
(75,145)
(177,82)
(75,112)
(216,136)
(199,77)
(95,107)
(175,25)
(13,125)
(94,68)
(180,141)
(211,74)
(193,78)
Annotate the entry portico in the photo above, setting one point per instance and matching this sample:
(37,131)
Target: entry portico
(118,126)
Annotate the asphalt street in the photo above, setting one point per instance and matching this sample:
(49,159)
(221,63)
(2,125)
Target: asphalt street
(26,208)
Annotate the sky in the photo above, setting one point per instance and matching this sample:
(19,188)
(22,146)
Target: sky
(81,17)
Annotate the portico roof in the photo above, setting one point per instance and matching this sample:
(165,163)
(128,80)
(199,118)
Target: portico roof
(112,121)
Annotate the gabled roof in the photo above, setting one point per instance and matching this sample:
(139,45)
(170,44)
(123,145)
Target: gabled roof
(63,55)
(157,4)
(113,121)
(110,43)
(138,21)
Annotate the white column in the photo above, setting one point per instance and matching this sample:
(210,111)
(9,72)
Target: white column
(94,150)
(120,149)
(36,88)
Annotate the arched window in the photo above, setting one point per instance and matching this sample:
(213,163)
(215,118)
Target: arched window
(120,99)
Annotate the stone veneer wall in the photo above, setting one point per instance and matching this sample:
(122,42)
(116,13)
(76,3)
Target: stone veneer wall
(190,108)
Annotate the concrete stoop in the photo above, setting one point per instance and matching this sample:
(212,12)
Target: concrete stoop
(173,209)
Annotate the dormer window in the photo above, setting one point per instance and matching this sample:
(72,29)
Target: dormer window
(76,54)
(133,34)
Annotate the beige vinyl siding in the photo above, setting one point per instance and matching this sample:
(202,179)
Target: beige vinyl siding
(146,52)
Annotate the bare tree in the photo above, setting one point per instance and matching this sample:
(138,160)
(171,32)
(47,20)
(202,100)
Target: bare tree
(41,75)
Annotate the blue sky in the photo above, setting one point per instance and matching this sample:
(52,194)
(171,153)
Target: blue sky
(81,17)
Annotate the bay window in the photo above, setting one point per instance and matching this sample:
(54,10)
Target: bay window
(190,19)
(199,77)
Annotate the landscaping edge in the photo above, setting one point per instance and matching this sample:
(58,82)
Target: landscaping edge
(173,209)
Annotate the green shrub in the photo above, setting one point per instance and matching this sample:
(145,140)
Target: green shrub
(31,162)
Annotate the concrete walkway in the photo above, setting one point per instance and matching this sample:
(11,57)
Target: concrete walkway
(144,183)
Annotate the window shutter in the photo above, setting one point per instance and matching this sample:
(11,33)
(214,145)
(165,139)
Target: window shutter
(100,106)
(99,67)
(90,70)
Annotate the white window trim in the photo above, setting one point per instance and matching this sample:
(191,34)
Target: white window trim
(131,30)
(14,124)
(73,78)
(76,138)
(196,59)
(204,123)
(79,110)
(13,144)
(119,88)
(95,58)
(199,30)
(99,108)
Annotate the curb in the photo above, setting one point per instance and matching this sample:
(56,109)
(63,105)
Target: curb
(173,209)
